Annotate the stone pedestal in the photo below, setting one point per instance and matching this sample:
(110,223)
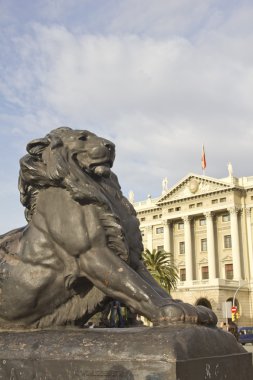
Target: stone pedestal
(144,353)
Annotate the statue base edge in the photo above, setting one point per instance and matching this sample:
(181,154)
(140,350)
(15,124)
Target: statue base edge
(176,352)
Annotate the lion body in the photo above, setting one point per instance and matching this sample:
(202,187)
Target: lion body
(82,244)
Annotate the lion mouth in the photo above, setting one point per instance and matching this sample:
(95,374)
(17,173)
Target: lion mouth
(107,163)
(101,169)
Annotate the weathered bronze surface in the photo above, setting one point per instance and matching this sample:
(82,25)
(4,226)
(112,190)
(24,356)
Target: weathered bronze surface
(185,352)
(82,245)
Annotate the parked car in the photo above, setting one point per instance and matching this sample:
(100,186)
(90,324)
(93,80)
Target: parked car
(245,335)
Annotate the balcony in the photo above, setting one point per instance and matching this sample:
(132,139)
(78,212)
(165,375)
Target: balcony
(216,282)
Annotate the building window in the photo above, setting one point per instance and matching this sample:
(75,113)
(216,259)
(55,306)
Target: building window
(160,248)
(229,272)
(159,230)
(181,247)
(226,217)
(192,205)
(222,199)
(180,226)
(200,204)
(227,241)
(203,245)
(202,222)
(143,219)
(204,273)
(160,215)
(178,208)
(155,216)
(214,201)
(182,274)
(170,209)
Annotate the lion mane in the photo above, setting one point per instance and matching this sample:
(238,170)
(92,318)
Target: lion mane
(50,162)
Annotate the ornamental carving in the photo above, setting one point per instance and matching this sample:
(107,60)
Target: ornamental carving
(234,210)
(195,187)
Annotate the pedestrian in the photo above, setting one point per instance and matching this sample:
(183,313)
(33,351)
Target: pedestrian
(116,318)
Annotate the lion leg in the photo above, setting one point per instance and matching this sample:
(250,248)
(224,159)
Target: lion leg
(146,276)
(117,280)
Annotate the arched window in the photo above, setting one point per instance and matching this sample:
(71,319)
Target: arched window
(204,302)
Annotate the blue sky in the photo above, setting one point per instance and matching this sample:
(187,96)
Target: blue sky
(157,77)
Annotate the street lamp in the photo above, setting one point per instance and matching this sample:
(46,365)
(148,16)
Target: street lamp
(239,287)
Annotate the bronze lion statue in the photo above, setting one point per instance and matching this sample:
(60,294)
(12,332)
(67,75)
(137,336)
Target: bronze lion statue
(82,245)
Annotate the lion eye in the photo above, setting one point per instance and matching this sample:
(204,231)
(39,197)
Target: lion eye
(83,138)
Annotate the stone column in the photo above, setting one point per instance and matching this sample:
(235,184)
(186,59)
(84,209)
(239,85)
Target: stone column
(249,233)
(150,238)
(210,245)
(166,236)
(188,249)
(235,243)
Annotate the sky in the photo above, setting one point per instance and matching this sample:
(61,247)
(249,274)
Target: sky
(157,77)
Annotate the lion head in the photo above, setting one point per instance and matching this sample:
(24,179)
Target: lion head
(67,158)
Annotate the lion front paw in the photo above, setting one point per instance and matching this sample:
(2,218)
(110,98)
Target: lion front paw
(178,312)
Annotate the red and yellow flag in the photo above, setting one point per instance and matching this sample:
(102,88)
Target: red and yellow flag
(203,158)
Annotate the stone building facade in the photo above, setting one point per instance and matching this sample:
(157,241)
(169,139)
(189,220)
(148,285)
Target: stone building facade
(206,224)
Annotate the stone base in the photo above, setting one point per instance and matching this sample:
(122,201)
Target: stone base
(145,353)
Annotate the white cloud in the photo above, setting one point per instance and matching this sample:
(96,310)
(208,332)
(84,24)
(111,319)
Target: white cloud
(96,78)
(158,96)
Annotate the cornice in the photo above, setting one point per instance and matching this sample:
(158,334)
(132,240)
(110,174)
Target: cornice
(193,197)
(149,210)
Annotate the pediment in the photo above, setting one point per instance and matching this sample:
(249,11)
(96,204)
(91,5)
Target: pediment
(193,185)
(228,258)
(203,261)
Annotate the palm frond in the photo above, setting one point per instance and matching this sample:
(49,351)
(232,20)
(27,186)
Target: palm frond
(161,266)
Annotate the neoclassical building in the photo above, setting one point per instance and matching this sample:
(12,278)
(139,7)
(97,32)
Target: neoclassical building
(206,224)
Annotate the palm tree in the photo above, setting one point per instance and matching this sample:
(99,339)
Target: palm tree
(160,265)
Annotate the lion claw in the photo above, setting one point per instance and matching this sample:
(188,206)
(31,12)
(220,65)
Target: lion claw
(178,312)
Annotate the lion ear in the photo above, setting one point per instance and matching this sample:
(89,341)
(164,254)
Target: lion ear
(36,147)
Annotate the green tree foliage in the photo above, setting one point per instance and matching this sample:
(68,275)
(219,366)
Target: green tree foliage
(160,265)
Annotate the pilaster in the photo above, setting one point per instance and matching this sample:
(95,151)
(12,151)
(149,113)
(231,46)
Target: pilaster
(235,243)
(188,248)
(166,236)
(210,245)
(249,233)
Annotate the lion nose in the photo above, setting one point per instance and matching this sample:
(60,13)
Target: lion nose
(110,149)
(109,146)
(101,150)
(98,151)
